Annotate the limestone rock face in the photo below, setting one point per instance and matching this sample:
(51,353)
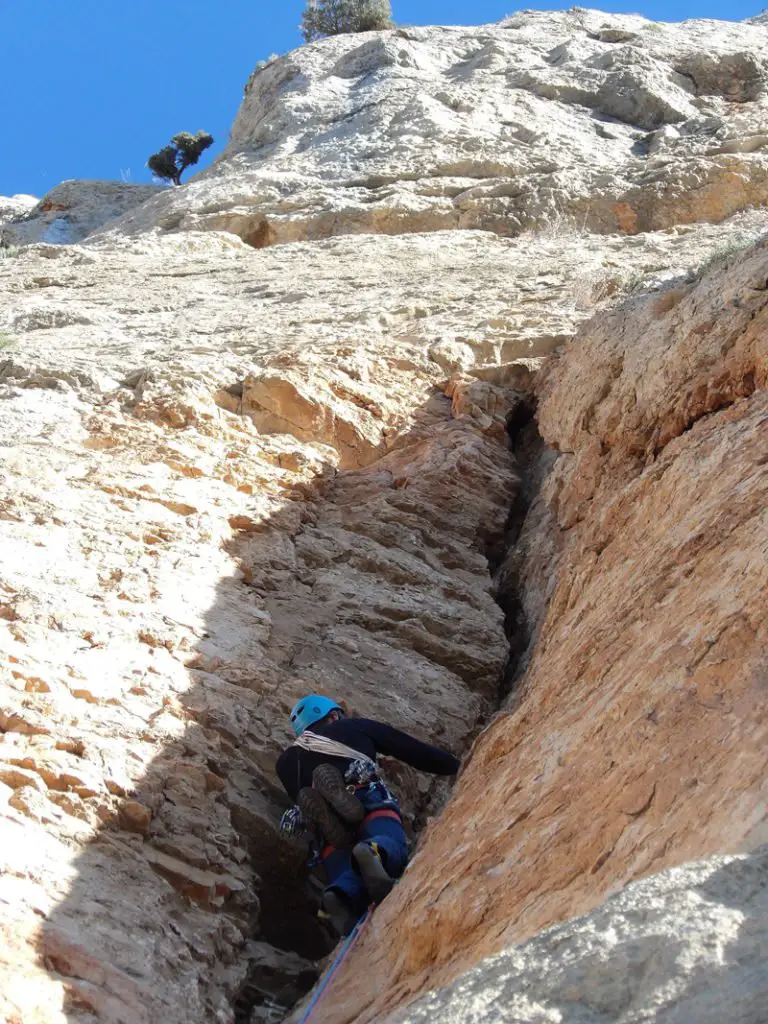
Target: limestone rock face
(193,540)
(15,206)
(608,123)
(636,739)
(69,212)
(685,945)
(516,464)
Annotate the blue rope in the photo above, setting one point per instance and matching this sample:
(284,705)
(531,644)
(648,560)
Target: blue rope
(331,971)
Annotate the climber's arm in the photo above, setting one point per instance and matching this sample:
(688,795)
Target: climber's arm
(393,743)
(287,769)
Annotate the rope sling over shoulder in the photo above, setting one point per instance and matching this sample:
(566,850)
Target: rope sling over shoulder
(332,748)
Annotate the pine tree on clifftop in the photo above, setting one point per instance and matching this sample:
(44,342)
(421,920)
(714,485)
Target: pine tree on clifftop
(335,17)
(184,150)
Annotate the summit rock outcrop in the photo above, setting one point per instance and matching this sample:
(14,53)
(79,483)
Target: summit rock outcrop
(12,207)
(443,391)
(69,212)
(579,118)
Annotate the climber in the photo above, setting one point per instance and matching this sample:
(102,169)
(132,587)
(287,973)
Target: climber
(330,772)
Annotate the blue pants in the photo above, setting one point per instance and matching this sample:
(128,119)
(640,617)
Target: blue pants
(389,835)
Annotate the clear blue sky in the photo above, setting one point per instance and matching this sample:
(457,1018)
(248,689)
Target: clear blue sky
(91,87)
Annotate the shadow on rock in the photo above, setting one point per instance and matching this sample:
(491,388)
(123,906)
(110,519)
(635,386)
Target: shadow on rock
(369,583)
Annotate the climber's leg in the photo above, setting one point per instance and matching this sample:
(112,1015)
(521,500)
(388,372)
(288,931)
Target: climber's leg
(369,858)
(329,781)
(318,813)
(381,853)
(344,898)
(336,909)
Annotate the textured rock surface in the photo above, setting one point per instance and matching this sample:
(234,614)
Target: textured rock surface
(609,123)
(686,945)
(70,211)
(15,206)
(638,738)
(229,476)
(174,578)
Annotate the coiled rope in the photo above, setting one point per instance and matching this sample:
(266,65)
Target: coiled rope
(330,973)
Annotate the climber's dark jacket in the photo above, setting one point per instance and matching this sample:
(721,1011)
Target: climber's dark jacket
(295,765)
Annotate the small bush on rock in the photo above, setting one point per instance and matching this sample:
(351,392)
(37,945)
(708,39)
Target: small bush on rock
(728,248)
(336,17)
(184,150)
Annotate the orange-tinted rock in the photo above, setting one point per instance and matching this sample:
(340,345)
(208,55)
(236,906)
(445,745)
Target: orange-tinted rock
(230,477)
(638,738)
(135,817)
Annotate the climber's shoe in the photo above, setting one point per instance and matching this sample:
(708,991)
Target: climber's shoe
(336,909)
(377,882)
(329,781)
(316,811)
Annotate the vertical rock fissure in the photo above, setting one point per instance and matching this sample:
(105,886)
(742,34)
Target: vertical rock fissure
(254,1002)
(507,560)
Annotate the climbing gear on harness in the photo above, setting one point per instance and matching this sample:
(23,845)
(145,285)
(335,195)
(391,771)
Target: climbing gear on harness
(361,772)
(316,811)
(339,913)
(329,781)
(295,830)
(330,974)
(377,882)
(375,796)
(310,710)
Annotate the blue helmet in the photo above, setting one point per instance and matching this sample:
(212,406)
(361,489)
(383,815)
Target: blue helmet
(310,710)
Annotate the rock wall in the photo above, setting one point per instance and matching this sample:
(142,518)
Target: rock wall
(69,212)
(684,945)
(176,577)
(636,740)
(579,118)
(234,471)
(15,206)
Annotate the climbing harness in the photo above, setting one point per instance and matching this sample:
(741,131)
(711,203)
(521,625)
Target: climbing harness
(341,956)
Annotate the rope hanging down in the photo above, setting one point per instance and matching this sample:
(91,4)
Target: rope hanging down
(341,956)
